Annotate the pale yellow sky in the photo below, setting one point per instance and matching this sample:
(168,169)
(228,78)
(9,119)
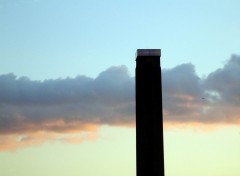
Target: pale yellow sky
(187,152)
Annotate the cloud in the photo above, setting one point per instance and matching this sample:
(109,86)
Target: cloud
(223,89)
(64,106)
(215,99)
(72,109)
(225,82)
(182,92)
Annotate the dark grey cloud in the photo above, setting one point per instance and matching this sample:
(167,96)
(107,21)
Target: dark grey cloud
(56,105)
(108,99)
(223,89)
(182,91)
(225,82)
(210,100)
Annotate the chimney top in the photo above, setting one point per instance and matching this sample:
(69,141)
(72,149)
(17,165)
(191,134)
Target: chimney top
(148,52)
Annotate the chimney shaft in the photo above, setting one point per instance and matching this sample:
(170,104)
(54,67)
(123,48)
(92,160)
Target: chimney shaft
(149,119)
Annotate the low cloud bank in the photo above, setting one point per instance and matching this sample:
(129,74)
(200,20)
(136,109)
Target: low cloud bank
(26,104)
(80,105)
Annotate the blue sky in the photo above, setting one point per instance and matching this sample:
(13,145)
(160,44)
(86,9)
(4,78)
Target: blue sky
(67,85)
(50,39)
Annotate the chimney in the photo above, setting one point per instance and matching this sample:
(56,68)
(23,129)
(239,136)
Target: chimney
(149,118)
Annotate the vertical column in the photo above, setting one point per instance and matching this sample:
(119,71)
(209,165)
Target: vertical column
(149,119)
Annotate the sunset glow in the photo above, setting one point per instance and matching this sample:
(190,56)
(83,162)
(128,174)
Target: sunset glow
(67,85)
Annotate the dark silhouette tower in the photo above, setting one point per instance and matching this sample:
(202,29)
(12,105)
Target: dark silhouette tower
(149,119)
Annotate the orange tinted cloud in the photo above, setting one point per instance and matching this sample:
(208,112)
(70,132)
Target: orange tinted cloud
(12,142)
(32,112)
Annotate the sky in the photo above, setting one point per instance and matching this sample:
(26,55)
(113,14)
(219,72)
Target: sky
(67,77)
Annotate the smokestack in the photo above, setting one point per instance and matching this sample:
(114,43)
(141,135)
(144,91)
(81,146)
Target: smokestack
(149,118)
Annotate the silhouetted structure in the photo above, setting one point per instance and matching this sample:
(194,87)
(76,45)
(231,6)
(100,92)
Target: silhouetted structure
(149,119)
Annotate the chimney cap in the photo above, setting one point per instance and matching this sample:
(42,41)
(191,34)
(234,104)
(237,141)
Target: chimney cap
(148,52)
